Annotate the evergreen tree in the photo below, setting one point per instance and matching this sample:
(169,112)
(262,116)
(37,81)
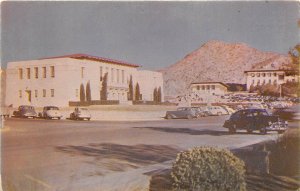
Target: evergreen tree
(155,95)
(82,93)
(88,92)
(103,92)
(159,95)
(137,92)
(130,93)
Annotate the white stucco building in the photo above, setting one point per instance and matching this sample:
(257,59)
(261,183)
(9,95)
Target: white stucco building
(211,88)
(263,76)
(57,80)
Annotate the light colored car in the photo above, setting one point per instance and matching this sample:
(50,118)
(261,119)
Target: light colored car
(216,110)
(80,113)
(182,112)
(50,112)
(228,109)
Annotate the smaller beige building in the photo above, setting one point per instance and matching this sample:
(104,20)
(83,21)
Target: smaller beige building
(275,77)
(210,88)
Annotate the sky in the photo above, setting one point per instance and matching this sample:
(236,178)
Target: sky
(153,35)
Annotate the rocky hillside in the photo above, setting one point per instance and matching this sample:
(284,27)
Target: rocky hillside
(217,61)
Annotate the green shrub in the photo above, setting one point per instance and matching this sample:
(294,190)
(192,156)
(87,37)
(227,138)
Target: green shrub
(208,169)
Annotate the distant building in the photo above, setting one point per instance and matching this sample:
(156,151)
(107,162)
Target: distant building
(275,77)
(58,80)
(209,88)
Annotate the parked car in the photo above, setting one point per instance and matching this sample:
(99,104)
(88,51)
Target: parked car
(80,113)
(26,111)
(255,119)
(182,112)
(50,112)
(228,109)
(200,112)
(216,110)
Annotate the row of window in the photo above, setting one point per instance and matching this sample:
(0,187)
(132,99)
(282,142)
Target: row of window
(36,93)
(264,82)
(206,87)
(36,72)
(263,74)
(116,75)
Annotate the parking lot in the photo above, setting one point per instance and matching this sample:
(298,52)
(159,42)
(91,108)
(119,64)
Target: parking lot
(68,155)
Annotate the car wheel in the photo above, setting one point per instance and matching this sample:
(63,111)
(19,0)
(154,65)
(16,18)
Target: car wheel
(232,129)
(58,118)
(169,117)
(88,119)
(263,130)
(249,129)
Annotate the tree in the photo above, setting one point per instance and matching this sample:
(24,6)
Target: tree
(88,92)
(130,93)
(159,94)
(82,93)
(293,67)
(137,92)
(103,92)
(155,95)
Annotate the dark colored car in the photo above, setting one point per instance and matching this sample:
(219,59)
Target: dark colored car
(255,119)
(26,111)
(182,112)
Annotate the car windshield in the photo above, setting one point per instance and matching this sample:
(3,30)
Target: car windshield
(27,107)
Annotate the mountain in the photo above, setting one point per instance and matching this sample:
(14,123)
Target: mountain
(217,61)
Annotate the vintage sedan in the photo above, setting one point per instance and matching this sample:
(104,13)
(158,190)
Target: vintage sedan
(50,112)
(182,112)
(255,119)
(80,113)
(25,111)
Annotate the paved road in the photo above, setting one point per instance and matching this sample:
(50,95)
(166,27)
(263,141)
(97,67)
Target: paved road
(92,155)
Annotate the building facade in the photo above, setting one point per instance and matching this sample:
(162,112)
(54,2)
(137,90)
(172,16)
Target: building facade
(209,88)
(275,77)
(58,80)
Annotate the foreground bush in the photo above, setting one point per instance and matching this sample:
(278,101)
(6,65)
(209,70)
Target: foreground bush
(208,169)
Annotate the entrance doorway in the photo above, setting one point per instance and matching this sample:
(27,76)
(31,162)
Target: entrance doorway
(28,92)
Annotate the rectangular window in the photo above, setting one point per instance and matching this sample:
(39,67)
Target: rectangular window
(281,77)
(28,73)
(44,93)
(101,73)
(82,72)
(118,77)
(44,72)
(203,87)
(52,71)
(123,76)
(198,87)
(20,73)
(52,92)
(208,87)
(212,87)
(35,93)
(20,93)
(112,75)
(36,72)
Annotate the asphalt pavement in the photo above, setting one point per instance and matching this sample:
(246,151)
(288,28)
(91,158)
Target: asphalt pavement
(69,155)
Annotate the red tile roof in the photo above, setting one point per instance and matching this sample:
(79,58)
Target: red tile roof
(95,58)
